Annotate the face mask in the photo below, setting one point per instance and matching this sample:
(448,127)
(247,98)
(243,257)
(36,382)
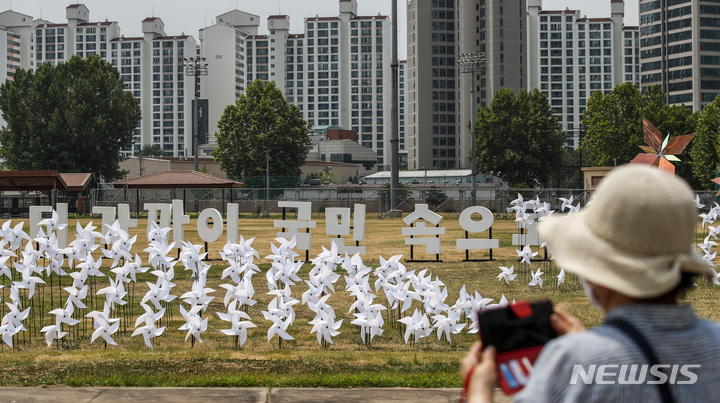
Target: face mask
(590,294)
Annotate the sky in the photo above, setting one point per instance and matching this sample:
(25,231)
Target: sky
(185,16)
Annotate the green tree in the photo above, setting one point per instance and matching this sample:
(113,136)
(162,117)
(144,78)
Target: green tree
(518,138)
(151,150)
(259,126)
(72,117)
(614,122)
(705,146)
(435,196)
(614,125)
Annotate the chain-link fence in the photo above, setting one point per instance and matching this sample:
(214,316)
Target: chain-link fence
(257,202)
(447,198)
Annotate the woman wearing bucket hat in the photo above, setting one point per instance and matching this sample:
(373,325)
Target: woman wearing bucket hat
(632,247)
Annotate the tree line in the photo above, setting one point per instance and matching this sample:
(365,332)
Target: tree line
(519,139)
(76,117)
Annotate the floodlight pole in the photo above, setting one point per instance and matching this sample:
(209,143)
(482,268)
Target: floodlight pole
(196,67)
(470,63)
(394,115)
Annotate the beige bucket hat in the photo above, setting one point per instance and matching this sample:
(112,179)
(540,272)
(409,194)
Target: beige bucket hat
(635,237)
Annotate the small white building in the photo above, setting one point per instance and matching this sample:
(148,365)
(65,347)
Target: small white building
(433,176)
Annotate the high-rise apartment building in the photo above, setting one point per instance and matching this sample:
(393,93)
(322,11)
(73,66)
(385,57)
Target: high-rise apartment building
(680,49)
(336,71)
(438,95)
(151,67)
(20,27)
(10,46)
(576,56)
(224,47)
(402,118)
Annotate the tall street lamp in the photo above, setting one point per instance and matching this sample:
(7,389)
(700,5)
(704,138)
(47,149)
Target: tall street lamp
(196,67)
(470,63)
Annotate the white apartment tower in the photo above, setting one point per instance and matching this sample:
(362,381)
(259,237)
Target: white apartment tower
(10,48)
(151,67)
(576,56)
(335,72)
(224,47)
(20,28)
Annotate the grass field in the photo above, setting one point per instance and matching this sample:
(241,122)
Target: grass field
(348,362)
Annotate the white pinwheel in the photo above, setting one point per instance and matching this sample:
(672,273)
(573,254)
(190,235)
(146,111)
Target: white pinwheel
(566,203)
(65,315)
(17,236)
(115,253)
(480,303)
(526,254)
(561,277)
(507,274)
(417,325)
(238,327)
(53,223)
(326,328)
(149,331)
(15,316)
(370,323)
(194,324)
(448,324)
(92,266)
(536,278)
(501,304)
(114,293)
(104,326)
(279,326)
(198,296)
(76,296)
(28,281)
(52,333)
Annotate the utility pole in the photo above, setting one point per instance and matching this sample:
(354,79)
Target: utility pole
(394,116)
(196,67)
(470,63)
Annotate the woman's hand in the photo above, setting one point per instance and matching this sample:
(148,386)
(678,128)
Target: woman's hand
(564,323)
(478,369)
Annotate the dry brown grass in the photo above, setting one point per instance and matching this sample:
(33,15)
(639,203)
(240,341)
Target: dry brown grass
(302,356)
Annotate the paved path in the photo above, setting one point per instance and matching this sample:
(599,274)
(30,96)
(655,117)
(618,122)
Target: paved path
(235,395)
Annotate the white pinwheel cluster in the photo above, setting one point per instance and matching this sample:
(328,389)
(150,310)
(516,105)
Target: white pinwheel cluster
(283,269)
(567,204)
(321,284)
(160,292)
(283,273)
(117,251)
(198,297)
(241,268)
(522,208)
(708,244)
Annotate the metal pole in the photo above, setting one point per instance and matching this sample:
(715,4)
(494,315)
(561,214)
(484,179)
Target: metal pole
(473,167)
(196,67)
(394,116)
(470,63)
(196,126)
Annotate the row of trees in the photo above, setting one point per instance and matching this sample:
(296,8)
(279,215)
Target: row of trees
(76,117)
(519,139)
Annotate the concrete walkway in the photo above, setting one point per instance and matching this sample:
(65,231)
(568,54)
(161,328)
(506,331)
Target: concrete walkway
(235,395)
